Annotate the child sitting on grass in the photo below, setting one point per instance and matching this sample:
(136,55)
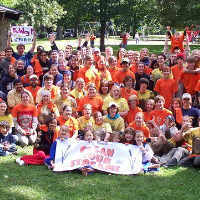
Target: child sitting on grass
(64,134)
(147,152)
(7,145)
(88,136)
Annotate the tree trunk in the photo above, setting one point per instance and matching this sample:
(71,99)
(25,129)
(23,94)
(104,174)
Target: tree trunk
(76,29)
(59,32)
(103,26)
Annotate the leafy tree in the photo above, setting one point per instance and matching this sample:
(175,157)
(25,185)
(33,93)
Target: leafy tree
(178,13)
(40,12)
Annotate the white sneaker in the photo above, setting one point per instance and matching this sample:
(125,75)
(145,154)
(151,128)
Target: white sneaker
(21,163)
(17,160)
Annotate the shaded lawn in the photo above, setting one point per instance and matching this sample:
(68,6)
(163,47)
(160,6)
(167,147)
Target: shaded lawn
(37,182)
(62,44)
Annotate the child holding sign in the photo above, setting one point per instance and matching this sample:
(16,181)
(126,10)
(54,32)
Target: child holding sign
(147,152)
(64,134)
(88,136)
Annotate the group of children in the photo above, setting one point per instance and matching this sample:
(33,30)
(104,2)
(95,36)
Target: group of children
(142,118)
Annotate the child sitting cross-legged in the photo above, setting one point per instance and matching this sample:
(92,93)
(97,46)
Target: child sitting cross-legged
(7,145)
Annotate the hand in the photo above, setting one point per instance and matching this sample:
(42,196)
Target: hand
(52,38)
(87,37)
(23,132)
(15,76)
(6,148)
(61,139)
(34,34)
(159,120)
(79,41)
(168,28)
(53,165)
(9,33)
(142,149)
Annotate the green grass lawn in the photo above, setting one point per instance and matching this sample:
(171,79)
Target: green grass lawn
(37,182)
(62,44)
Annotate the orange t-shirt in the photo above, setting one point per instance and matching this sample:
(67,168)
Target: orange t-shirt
(166,88)
(146,116)
(119,76)
(177,43)
(131,114)
(21,107)
(96,103)
(119,64)
(72,123)
(197,88)
(13,60)
(113,72)
(34,93)
(89,75)
(134,69)
(160,114)
(126,94)
(189,82)
(143,128)
(176,71)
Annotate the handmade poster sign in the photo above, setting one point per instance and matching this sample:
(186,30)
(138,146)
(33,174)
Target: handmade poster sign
(110,157)
(22,34)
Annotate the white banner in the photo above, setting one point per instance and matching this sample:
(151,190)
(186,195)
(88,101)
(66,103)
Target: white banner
(110,157)
(22,34)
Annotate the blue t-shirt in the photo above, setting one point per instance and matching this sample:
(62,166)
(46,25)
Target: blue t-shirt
(26,58)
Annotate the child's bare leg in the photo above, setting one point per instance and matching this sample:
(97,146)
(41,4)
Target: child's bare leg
(154,166)
(89,170)
(84,171)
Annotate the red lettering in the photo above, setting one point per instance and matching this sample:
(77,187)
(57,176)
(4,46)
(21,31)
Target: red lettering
(92,163)
(72,163)
(99,158)
(100,166)
(91,156)
(96,149)
(109,167)
(85,162)
(110,152)
(102,151)
(106,160)
(117,168)
(89,148)
(78,161)
(82,148)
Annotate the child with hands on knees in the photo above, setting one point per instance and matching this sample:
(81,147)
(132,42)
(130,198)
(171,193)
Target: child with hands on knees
(7,145)
(64,134)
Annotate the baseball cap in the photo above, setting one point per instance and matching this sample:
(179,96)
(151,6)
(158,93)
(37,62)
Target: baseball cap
(125,60)
(181,55)
(112,104)
(171,117)
(33,76)
(186,96)
(95,49)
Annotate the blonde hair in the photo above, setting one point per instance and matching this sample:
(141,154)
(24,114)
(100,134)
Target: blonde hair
(112,90)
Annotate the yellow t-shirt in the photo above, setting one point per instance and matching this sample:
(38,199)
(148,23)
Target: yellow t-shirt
(116,125)
(7,118)
(60,103)
(101,130)
(83,123)
(121,102)
(157,74)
